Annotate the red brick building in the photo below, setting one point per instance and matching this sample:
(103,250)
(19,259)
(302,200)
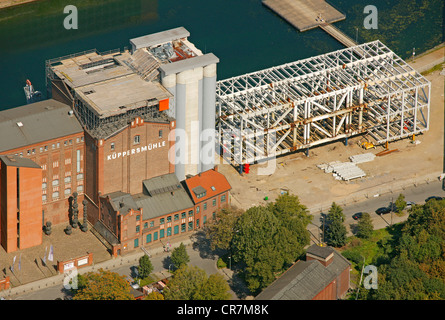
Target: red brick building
(48,134)
(161,211)
(323,276)
(209,191)
(21,206)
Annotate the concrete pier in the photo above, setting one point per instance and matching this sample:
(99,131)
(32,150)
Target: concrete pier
(305,15)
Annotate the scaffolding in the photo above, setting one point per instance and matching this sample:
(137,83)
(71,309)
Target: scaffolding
(361,89)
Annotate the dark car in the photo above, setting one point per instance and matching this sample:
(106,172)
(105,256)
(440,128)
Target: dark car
(357,215)
(383,210)
(433,198)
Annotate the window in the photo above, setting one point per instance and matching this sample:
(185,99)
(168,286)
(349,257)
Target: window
(213,188)
(176,216)
(155,236)
(67,179)
(78,161)
(145,225)
(67,191)
(112,146)
(137,139)
(138,228)
(223,198)
(152,223)
(79,176)
(58,145)
(46,148)
(176,229)
(162,221)
(41,149)
(197,223)
(169,219)
(44,197)
(190,213)
(44,185)
(77,140)
(169,231)
(197,209)
(161,233)
(136,243)
(183,227)
(190,225)
(183,215)
(65,143)
(214,202)
(160,133)
(80,188)
(205,220)
(33,151)
(205,206)
(53,146)
(56,195)
(55,182)
(148,240)
(138,217)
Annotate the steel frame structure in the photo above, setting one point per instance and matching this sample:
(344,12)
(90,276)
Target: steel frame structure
(362,89)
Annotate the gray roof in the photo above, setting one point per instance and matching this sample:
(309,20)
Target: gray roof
(162,195)
(15,161)
(320,251)
(304,280)
(35,123)
(187,64)
(159,37)
(122,202)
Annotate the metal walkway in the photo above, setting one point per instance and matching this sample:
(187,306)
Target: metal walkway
(338,35)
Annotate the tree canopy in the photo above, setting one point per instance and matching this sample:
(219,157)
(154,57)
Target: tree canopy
(179,256)
(268,239)
(192,283)
(102,285)
(415,266)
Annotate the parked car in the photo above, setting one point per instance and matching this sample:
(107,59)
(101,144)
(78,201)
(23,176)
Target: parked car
(410,204)
(383,210)
(433,198)
(357,215)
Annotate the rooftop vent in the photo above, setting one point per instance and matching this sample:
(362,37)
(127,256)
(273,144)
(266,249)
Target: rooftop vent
(19,124)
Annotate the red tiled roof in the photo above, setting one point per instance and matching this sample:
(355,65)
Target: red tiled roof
(207,180)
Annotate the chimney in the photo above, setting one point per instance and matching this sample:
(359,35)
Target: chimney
(322,253)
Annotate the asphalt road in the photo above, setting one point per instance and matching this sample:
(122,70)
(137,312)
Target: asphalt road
(202,258)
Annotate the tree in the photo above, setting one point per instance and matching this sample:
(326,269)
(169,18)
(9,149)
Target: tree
(102,285)
(268,239)
(335,213)
(400,203)
(220,231)
(365,226)
(145,266)
(335,234)
(179,256)
(154,296)
(192,283)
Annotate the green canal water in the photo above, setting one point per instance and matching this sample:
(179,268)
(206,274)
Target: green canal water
(244,34)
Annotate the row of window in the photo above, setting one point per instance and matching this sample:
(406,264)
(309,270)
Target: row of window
(167,232)
(136,139)
(67,180)
(67,192)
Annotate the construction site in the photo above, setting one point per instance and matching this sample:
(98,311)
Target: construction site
(353,124)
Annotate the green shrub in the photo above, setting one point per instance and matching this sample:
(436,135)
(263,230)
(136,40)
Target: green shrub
(221,263)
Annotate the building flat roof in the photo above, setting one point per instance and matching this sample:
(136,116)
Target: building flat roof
(35,123)
(159,38)
(130,91)
(14,161)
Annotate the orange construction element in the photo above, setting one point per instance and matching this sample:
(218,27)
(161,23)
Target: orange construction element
(163,105)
